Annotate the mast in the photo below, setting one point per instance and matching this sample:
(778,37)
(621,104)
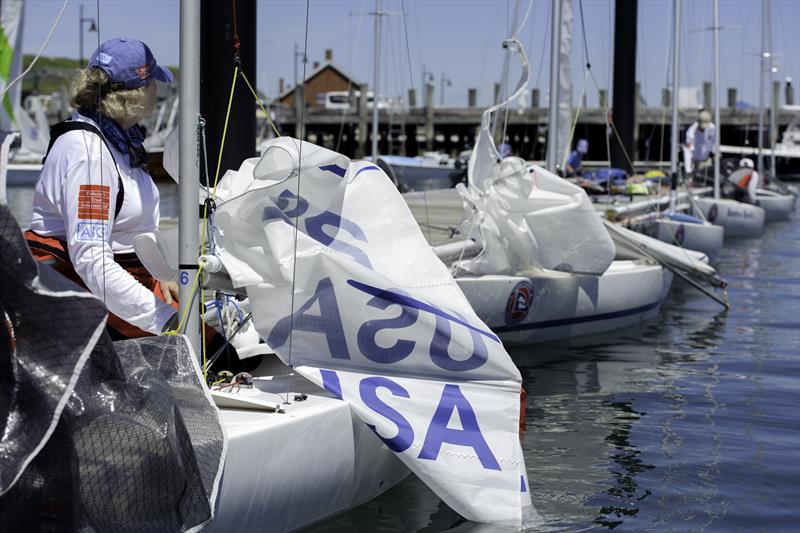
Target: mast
(376,78)
(189,171)
(552,124)
(717,123)
(504,73)
(773,129)
(764,56)
(676,52)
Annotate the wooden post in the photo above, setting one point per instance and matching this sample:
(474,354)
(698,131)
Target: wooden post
(429,126)
(637,111)
(602,98)
(666,97)
(535,98)
(789,92)
(776,99)
(362,122)
(707,103)
(472,97)
(732,97)
(496,94)
(412,98)
(299,102)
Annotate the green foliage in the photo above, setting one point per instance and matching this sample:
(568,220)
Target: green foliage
(51,74)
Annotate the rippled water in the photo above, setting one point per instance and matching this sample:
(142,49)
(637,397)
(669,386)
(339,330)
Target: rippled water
(689,423)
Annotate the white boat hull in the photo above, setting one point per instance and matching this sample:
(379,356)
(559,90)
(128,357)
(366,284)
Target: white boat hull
(564,305)
(286,471)
(706,238)
(738,219)
(776,206)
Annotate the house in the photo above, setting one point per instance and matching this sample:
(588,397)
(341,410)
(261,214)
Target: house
(325,77)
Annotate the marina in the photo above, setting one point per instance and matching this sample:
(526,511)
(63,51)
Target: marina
(355,305)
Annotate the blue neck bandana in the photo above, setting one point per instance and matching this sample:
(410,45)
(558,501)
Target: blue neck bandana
(128,142)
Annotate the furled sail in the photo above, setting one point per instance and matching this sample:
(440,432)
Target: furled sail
(345,289)
(526,217)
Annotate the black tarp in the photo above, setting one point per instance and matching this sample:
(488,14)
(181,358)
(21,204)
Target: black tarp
(95,435)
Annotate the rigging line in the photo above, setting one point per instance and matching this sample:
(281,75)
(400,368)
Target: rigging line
(41,49)
(575,121)
(297,211)
(408,48)
(426,224)
(524,19)
(585,41)
(260,104)
(100,148)
(354,48)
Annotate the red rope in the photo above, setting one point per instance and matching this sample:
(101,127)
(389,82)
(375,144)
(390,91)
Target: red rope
(237,44)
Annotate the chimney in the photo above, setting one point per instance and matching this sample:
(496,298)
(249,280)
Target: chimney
(280,86)
(328,55)
(316,64)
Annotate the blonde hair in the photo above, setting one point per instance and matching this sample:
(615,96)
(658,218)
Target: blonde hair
(91,90)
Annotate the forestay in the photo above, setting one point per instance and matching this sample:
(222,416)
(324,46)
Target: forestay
(528,218)
(376,319)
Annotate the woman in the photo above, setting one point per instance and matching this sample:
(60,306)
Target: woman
(95,194)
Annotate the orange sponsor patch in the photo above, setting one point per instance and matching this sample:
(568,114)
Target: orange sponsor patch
(93,202)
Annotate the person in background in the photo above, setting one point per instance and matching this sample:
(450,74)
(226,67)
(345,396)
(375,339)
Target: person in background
(95,194)
(745,182)
(574,166)
(700,145)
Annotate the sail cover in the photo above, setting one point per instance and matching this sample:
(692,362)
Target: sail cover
(526,217)
(95,435)
(345,289)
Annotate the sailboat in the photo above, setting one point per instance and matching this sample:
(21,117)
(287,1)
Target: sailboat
(532,256)
(739,219)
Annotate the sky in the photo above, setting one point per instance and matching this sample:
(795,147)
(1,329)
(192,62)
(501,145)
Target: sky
(458,40)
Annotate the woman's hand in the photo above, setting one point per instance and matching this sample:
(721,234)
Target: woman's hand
(169,290)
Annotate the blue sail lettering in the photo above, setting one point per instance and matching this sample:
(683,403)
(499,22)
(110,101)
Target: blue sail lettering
(367,390)
(470,436)
(328,322)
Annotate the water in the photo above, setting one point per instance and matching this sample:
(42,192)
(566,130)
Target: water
(20,196)
(690,422)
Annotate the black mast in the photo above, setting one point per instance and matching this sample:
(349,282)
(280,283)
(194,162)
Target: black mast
(216,73)
(624,105)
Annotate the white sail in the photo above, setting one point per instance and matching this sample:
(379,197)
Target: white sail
(565,83)
(344,287)
(11,16)
(528,218)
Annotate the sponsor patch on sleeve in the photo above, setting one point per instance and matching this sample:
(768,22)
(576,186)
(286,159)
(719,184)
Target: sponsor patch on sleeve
(93,202)
(88,231)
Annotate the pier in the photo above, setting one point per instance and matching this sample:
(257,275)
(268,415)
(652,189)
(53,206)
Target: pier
(416,129)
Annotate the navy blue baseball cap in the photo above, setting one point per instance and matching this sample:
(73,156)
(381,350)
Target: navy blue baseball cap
(129,62)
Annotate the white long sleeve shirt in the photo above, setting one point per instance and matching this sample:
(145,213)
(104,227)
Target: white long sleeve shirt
(702,143)
(75,200)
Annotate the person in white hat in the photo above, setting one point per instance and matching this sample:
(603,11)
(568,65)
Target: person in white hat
(744,182)
(700,144)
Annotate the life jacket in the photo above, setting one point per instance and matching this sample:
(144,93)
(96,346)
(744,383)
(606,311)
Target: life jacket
(57,130)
